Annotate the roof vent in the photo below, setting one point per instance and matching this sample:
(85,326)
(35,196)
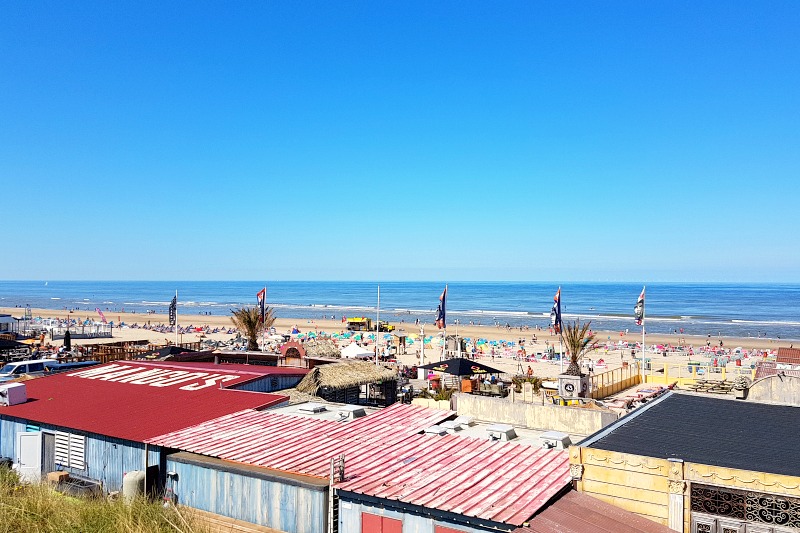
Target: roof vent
(435,430)
(312,407)
(502,432)
(465,421)
(451,426)
(351,412)
(555,439)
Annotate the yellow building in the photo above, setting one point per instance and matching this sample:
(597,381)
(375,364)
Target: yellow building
(699,464)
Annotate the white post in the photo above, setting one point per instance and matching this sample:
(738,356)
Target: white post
(378,325)
(176,318)
(422,340)
(458,344)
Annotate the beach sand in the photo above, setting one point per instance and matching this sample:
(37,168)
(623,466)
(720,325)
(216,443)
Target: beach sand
(612,358)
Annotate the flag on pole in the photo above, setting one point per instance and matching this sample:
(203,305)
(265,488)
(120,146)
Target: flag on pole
(262,304)
(638,311)
(102,316)
(441,310)
(173,311)
(555,314)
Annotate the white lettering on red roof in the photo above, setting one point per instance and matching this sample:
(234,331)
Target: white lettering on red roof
(154,377)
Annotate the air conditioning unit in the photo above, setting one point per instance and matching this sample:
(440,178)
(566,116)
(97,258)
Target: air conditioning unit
(555,440)
(311,407)
(465,421)
(451,426)
(351,412)
(435,430)
(502,432)
(13,394)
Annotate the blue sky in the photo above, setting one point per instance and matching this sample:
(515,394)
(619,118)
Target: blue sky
(400,141)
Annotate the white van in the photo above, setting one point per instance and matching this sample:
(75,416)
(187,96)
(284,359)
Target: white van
(36,367)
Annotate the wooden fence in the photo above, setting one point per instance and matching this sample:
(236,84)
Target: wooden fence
(614,381)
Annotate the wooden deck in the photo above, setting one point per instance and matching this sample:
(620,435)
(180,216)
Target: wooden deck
(218,524)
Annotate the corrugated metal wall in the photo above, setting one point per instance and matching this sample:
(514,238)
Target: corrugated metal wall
(107,458)
(8,437)
(350,519)
(286,507)
(269,384)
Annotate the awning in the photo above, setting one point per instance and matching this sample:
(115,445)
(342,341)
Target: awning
(460,366)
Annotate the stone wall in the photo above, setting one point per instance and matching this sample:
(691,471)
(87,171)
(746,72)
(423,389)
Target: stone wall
(571,420)
(776,389)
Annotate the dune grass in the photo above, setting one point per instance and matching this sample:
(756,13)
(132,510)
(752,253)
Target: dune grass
(41,509)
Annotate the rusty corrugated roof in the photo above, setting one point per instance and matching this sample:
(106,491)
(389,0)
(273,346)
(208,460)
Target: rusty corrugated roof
(387,456)
(576,512)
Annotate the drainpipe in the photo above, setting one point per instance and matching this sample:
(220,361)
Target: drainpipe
(145,469)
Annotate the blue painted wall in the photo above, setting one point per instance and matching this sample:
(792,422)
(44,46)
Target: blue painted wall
(269,384)
(107,458)
(267,502)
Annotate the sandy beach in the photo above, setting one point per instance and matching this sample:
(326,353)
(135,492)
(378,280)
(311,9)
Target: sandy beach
(503,359)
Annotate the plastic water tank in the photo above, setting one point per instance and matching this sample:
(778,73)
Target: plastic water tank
(132,485)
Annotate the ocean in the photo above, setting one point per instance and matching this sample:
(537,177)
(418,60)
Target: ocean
(740,310)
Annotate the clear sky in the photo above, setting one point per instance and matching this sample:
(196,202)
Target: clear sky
(400,140)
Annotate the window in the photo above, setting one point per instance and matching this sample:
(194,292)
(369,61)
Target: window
(373,523)
(36,367)
(70,450)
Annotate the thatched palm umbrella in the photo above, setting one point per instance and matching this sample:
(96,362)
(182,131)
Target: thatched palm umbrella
(579,341)
(344,375)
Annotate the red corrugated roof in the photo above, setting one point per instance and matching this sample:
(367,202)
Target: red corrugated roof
(137,400)
(576,512)
(771,368)
(789,355)
(387,457)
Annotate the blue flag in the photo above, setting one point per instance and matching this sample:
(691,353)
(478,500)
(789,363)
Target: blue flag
(555,314)
(441,310)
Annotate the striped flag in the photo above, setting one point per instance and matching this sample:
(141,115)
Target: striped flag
(102,316)
(555,313)
(261,297)
(441,310)
(638,311)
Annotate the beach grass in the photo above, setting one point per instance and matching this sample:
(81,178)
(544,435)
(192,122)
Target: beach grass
(41,509)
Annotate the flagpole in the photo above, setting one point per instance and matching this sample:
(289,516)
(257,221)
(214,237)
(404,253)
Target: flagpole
(444,343)
(176,318)
(378,325)
(644,346)
(264,322)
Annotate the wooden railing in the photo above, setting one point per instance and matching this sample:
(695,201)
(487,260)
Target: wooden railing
(611,382)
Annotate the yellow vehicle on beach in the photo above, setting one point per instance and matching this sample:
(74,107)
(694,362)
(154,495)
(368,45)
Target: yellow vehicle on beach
(365,324)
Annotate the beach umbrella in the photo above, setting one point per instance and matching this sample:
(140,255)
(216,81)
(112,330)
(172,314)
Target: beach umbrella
(67,341)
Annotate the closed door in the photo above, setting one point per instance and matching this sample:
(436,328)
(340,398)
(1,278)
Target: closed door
(29,456)
(48,453)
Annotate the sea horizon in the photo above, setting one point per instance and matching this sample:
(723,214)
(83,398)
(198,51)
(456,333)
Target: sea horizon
(759,309)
